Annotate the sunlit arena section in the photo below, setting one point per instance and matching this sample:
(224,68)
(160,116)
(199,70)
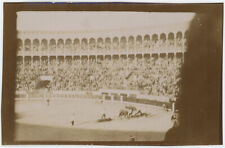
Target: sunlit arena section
(98,76)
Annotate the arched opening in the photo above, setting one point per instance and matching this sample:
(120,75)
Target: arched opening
(76,61)
(123,59)
(185,39)
(27,45)
(52,61)
(108,43)
(171,36)
(146,59)
(19,61)
(92,62)
(84,44)
(60,44)
(179,40)
(154,42)
(60,62)
(44,45)
(84,61)
(68,60)
(115,43)
(76,44)
(179,35)
(115,58)
(131,42)
(100,43)
(146,41)
(139,60)
(155,38)
(163,37)
(171,40)
(36,61)
(52,45)
(92,44)
(108,58)
(27,60)
(138,42)
(68,44)
(19,44)
(52,64)
(131,59)
(44,65)
(123,42)
(162,41)
(36,44)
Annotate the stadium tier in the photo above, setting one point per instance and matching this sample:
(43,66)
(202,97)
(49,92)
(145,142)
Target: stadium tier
(149,63)
(28,45)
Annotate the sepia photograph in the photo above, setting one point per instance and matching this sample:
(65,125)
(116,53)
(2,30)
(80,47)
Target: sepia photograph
(146,77)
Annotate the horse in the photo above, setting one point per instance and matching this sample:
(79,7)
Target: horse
(139,113)
(123,113)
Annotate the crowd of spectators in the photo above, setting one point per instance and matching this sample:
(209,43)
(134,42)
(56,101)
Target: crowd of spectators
(153,75)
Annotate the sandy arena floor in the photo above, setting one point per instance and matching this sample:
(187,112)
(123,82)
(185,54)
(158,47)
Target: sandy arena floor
(38,121)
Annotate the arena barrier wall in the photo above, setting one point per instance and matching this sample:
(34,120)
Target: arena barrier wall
(42,94)
(134,97)
(104,94)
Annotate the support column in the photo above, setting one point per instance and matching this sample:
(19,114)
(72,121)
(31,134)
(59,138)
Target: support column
(73,60)
(39,61)
(64,63)
(127,71)
(48,46)
(183,41)
(48,62)
(88,62)
(183,44)
(103,97)
(121,98)
(23,44)
(167,57)
(31,60)
(88,46)
(111,62)
(173,106)
(175,41)
(112,98)
(57,66)
(175,56)
(126,49)
(183,57)
(31,46)
(23,60)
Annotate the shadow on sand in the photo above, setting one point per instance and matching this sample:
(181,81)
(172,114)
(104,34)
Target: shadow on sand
(34,133)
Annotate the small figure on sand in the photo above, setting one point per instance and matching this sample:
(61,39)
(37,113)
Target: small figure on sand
(48,101)
(103,116)
(72,122)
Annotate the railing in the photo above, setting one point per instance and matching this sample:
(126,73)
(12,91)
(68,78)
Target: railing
(89,94)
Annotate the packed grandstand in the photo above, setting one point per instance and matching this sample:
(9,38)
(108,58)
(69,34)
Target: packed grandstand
(149,64)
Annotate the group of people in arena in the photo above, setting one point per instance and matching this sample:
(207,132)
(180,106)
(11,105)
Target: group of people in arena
(107,44)
(153,75)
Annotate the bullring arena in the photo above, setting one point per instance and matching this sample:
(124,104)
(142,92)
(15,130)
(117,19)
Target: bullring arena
(103,85)
(42,122)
